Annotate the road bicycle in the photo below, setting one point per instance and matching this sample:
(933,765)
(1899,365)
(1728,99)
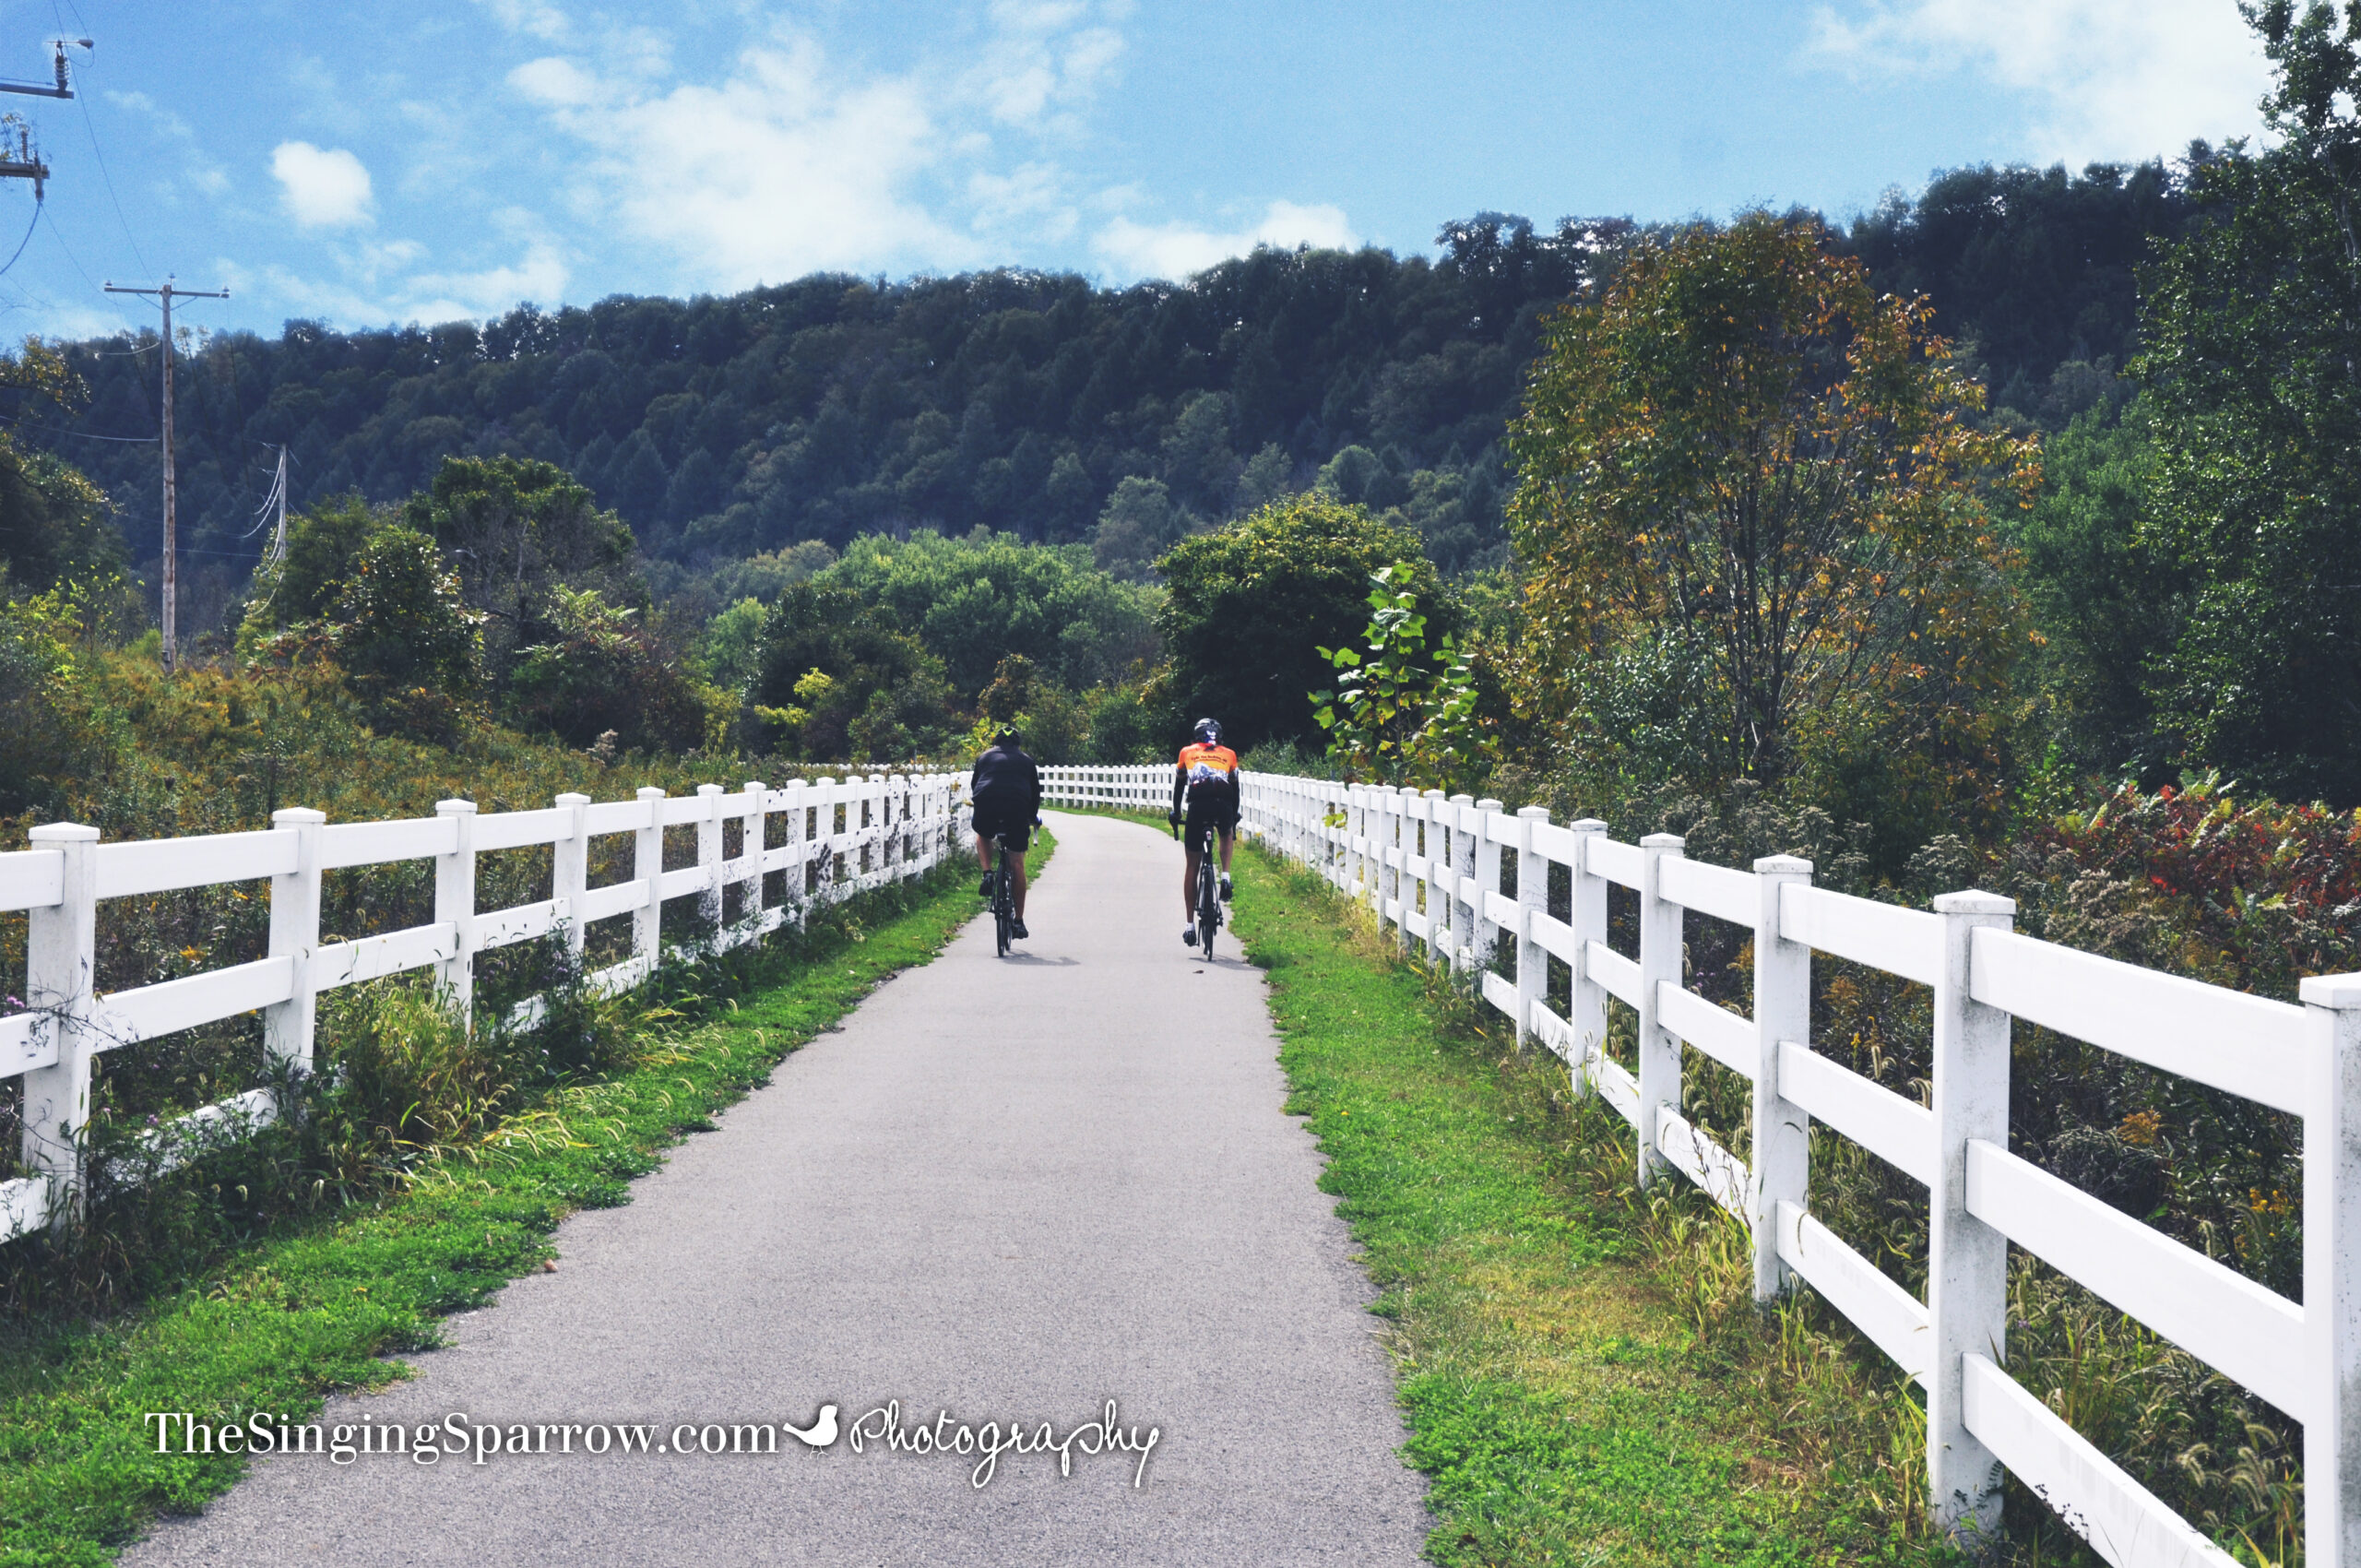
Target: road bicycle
(1208,899)
(1003,893)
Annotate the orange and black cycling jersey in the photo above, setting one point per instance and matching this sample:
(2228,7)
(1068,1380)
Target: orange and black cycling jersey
(1206,773)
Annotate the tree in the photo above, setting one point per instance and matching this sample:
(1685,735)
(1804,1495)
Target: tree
(53,523)
(2110,609)
(1249,606)
(514,528)
(604,673)
(323,542)
(1138,524)
(840,681)
(411,648)
(2253,367)
(1400,715)
(975,600)
(1740,453)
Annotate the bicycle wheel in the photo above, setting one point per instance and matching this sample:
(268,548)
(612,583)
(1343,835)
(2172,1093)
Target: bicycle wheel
(1003,904)
(1208,901)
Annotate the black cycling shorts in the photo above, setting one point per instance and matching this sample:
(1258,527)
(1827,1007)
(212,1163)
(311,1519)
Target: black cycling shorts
(1014,827)
(1219,814)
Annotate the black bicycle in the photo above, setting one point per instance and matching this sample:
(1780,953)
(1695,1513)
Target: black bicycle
(1208,887)
(1003,893)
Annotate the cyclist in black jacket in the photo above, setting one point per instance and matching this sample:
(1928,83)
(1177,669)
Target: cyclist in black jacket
(1006,787)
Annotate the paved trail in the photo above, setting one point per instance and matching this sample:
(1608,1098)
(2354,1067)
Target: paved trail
(1016,1188)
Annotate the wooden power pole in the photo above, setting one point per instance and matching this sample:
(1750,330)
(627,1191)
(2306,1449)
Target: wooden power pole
(172,488)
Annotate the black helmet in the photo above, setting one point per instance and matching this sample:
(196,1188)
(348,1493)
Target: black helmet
(1006,735)
(1208,731)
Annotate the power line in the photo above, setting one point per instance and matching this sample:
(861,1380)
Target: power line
(56,233)
(38,205)
(93,126)
(85,434)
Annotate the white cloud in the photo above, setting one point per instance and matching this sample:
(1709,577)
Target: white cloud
(2116,80)
(1178,250)
(783,168)
(529,17)
(1045,60)
(540,274)
(321,188)
(787,160)
(140,103)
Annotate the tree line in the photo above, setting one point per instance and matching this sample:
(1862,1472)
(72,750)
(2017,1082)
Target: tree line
(1029,403)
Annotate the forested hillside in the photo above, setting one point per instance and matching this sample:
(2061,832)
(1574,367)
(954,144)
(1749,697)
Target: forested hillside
(835,406)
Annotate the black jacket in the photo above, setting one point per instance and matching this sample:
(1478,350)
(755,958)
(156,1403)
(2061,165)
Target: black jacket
(1007,786)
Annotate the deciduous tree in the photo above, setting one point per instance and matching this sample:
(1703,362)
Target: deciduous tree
(2253,366)
(1740,453)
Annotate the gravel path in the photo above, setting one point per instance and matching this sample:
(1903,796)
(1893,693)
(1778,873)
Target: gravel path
(1005,1190)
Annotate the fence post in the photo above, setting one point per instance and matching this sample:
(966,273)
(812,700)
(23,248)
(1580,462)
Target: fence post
(1532,896)
(1406,887)
(1356,844)
(287,1026)
(1488,882)
(823,840)
(795,884)
(1335,800)
(454,905)
(570,873)
(1434,847)
(1660,958)
(647,870)
(1967,1260)
(1587,913)
(60,965)
(1781,1132)
(751,832)
(1465,828)
(2332,1273)
(709,860)
(897,797)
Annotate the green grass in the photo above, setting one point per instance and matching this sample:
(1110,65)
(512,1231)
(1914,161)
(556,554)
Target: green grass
(278,1326)
(1581,1385)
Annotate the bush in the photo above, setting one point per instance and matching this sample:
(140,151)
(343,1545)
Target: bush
(1250,604)
(603,671)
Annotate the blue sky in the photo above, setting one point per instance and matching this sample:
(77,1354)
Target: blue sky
(372,162)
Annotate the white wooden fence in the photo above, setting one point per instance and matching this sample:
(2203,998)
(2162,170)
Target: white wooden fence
(1431,868)
(841,837)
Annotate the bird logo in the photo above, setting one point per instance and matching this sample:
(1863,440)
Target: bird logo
(822,1433)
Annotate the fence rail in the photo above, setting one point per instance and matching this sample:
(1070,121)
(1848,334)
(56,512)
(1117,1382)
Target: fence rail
(1431,869)
(841,837)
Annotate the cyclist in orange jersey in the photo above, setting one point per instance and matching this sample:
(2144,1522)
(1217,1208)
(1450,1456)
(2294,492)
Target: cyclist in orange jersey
(1205,782)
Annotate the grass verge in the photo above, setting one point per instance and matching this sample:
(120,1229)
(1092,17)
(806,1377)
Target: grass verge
(1583,1380)
(278,1326)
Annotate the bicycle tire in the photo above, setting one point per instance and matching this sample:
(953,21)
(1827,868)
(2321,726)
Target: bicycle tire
(1003,903)
(1208,899)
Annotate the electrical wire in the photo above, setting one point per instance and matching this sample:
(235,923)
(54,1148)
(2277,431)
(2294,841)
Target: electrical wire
(93,126)
(59,235)
(85,434)
(38,202)
(263,515)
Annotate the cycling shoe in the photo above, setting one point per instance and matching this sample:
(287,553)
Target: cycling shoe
(1189,934)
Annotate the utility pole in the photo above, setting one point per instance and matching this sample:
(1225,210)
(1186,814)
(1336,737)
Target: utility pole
(26,165)
(172,488)
(279,492)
